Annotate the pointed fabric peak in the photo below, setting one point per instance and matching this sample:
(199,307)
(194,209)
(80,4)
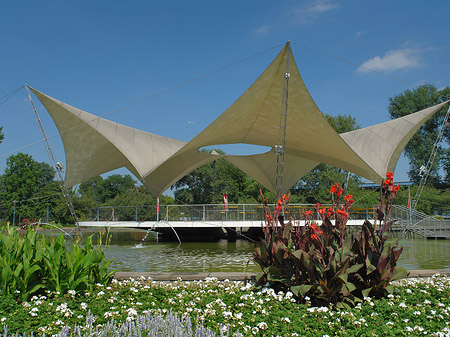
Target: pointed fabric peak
(94,145)
(254,118)
(381,145)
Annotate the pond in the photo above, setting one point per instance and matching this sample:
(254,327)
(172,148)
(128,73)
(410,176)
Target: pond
(130,253)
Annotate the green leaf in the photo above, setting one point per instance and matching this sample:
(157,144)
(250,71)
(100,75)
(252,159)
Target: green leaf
(399,273)
(355,268)
(350,286)
(365,292)
(301,290)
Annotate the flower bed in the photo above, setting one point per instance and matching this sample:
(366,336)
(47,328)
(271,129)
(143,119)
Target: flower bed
(416,307)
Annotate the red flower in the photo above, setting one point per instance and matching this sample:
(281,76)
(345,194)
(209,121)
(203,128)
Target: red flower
(336,189)
(348,199)
(330,212)
(394,188)
(389,179)
(322,212)
(307,214)
(342,212)
(316,232)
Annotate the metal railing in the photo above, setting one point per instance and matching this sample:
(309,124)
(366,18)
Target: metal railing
(210,212)
(414,222)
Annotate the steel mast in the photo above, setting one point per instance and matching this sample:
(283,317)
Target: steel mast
(56,165)
(280,148)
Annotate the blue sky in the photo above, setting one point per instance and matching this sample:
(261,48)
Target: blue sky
(103,55)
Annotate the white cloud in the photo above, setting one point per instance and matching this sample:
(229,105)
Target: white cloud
(313,9)
(359,34)
(262,30)
(393,60)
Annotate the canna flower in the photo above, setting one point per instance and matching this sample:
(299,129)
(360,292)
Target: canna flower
(330,212)
(394,188)
(322,212)
(279,206)
(316,232)
(336,190)
(307,214)
(348,199)
(342,212)
(389,181)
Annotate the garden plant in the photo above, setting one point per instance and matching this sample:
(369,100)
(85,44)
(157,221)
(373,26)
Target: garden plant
(327,262)
(317,280)
(31,264)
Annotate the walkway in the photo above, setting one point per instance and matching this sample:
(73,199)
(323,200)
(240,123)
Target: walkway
(241,276)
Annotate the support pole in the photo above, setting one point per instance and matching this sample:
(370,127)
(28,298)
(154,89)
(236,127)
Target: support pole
(56,165)
(280,148)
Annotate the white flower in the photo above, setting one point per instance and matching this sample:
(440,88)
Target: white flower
(315,309)
(83,306)
(402,305)
(131,312)
(227,314)
(72,292)
(262,325)
(3,319)
(255,330)
(100,293)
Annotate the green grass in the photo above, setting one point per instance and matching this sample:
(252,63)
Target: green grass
(417,307)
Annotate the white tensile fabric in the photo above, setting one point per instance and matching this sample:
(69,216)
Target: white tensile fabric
(95,145)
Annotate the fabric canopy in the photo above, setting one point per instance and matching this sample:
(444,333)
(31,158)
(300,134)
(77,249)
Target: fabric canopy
(94,145)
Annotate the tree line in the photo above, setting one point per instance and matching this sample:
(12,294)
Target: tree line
(28,188)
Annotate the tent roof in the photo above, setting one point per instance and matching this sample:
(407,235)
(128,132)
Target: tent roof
(95,145)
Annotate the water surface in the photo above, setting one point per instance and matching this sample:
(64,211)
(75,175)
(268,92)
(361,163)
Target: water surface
(236,256)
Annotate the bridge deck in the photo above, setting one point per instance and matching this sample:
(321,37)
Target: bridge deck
(186,224)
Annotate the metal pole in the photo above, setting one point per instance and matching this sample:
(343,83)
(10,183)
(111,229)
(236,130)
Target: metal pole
(56,165)
(280,148)
(14,213)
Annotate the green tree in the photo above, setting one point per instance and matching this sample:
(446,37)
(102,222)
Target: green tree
(19,184)
(208,183)
(47,174)
(101,190)
(419,148)
(2,136)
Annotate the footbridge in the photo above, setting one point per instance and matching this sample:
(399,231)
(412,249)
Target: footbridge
(210,222)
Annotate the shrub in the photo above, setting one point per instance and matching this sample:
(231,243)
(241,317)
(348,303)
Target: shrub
(31,264)
(325,262)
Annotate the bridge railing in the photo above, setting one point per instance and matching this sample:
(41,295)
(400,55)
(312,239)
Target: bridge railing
(413,221)
(211,212)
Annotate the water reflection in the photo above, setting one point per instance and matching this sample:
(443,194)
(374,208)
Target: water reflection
(237,256)
(186,257)
(425,254)
(133,251)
